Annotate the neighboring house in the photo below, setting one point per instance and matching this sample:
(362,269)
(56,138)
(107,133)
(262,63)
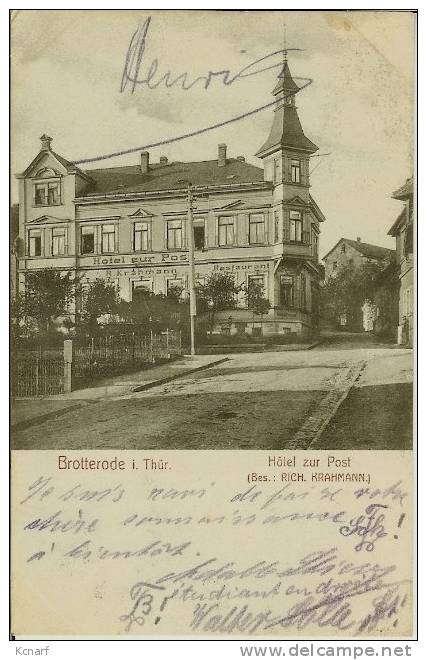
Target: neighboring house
(403,231)
(355,253)
(13,247)
(348,253)
(128,225)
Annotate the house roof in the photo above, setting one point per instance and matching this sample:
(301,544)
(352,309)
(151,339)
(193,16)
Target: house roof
(366,249)
(405,191)
(397,224)
(171,176)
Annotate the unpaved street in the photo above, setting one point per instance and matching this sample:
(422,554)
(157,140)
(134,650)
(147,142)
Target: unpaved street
(254,401)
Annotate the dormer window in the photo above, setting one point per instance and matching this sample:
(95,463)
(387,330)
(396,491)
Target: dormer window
(47,193)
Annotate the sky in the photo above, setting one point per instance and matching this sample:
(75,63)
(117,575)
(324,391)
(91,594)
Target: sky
(67,70)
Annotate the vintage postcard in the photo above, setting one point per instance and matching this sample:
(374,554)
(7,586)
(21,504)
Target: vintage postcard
(212,275)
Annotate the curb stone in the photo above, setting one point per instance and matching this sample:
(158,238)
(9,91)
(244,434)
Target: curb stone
(168,379)
(315,424)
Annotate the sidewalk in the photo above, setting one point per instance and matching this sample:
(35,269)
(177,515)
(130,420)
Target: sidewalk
(26,412)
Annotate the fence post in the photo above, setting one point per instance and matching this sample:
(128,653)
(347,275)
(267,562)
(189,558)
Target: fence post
(167,344)
(68,365)
(153,359)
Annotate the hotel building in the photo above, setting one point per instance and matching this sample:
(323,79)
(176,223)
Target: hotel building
(128,224)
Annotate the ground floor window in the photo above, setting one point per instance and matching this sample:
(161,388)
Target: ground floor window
(287,291)
(175,287)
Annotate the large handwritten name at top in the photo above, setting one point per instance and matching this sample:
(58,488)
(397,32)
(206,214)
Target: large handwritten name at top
(153,78)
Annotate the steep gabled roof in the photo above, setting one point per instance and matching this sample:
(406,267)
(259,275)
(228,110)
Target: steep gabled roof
(366,249)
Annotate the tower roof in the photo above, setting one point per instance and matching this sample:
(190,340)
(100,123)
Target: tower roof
(286,130)
(285,81)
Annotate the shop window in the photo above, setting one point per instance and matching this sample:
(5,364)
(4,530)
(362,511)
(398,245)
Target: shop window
(295,226)
(58,241)
(88,240)
(255,283)
(303,291)
(226,230)
(108,234)
(174,235)
(35,242)
(287,290)
(142,289)
(256,228)
(141,236)
(174,287)
(295,171)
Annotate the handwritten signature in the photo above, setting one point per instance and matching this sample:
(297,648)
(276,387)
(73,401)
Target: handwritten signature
(135,59)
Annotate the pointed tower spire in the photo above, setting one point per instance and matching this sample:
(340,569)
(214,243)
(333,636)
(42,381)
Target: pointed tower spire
(286,130)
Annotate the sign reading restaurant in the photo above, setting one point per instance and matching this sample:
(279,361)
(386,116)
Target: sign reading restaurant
(166,257)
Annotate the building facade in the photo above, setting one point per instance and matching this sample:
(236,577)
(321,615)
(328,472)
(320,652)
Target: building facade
(403,231)
(128,225)
(355,254)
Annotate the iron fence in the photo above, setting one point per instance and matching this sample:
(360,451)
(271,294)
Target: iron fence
(101,356)
(37,373)
(50,371)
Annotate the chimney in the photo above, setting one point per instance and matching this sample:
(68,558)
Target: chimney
(163,160)
(359,239)
(241,159)
(145,157)
(45,140)
(222,155)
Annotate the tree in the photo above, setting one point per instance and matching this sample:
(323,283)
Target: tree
(98,299)
(345,293)
(217,294)
(48,294)
(155,311)
(255,299)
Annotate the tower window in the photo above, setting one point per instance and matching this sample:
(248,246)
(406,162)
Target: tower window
(295,226)
(276,170)
(276,226)
(296,171)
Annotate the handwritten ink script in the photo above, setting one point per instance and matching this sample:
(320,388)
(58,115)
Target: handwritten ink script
(182,554)
(153,79)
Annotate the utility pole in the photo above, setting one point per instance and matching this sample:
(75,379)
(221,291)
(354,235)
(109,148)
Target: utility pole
(192,275)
